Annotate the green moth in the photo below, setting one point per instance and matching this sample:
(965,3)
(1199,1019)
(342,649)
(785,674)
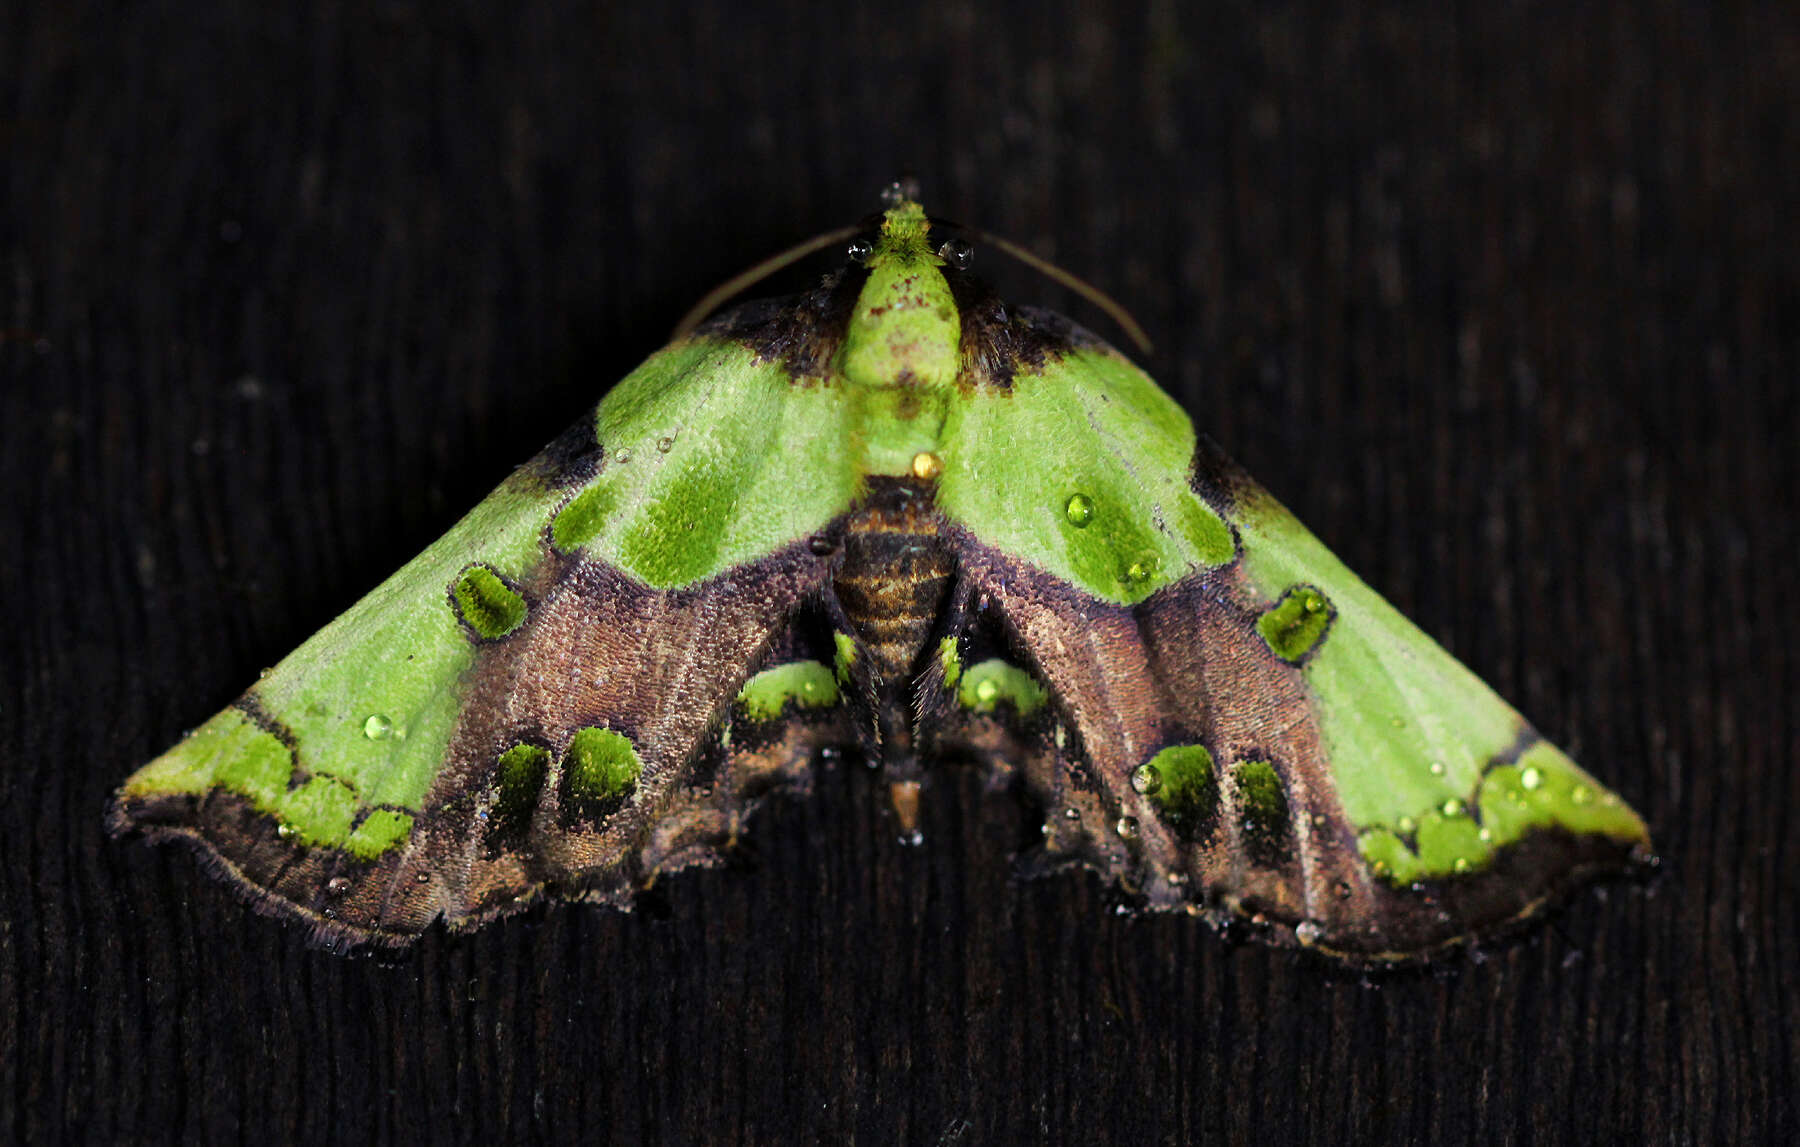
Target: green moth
(899,516)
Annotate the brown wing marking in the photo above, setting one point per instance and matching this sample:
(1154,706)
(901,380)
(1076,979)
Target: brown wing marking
(1187,667)
(1225,688)
(659,668)
(1184,667)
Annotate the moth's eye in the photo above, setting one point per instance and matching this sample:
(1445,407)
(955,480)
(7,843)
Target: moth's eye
(958,253)
(859,250)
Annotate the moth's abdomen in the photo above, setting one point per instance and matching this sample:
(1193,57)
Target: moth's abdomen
(896,575)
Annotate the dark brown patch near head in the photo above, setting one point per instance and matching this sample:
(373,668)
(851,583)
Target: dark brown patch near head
(572,457)
(1218,479)
(802,332)
(1001,341)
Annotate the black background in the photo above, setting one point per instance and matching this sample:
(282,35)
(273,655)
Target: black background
(1501,299)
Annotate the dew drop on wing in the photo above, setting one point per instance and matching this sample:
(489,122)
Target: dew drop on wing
(1079,510)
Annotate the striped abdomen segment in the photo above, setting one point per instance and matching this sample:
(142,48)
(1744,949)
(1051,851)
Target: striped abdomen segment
(896,575)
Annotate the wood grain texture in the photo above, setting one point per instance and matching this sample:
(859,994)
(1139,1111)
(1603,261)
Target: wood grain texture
(1501,299)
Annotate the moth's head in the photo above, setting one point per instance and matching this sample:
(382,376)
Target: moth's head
(906,316)
(905,329)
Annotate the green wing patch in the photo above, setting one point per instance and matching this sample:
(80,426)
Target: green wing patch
(798,684)
(716,459)
(1102,501)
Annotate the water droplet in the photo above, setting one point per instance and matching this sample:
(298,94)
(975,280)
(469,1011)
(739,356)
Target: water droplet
(1140,570)
(1320,820)
(1146,780)
(1451,807)
(337,885)
(422,878)
(897,192)
(378,727)
(1461,865)
(1341,889)
(1380,869)
(328,912)
(1315,602)
(821,545)
(1406,826)
(1127,827)
(1484,836)
(1532,777)
(1581,794)
(285,830)
(914,838)
(957,252)
(808,687)
(1308,933)
(859,249)
(623,456)
(1178,878)
(1437,768)
(926,465)
(986,690)
(665,444)
(262,674)
(1071,813)
(1079,510)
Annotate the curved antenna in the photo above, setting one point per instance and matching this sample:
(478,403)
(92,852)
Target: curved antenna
(1082,287)
(738,282)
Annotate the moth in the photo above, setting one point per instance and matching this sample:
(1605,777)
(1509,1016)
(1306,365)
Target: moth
(898,516)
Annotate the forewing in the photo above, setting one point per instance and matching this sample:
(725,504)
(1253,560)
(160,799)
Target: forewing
(542,699)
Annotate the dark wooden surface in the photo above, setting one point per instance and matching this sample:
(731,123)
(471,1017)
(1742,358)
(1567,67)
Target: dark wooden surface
(1502,301)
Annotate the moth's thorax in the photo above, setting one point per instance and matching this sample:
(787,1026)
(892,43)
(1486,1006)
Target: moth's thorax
(896,576)
(905,329)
